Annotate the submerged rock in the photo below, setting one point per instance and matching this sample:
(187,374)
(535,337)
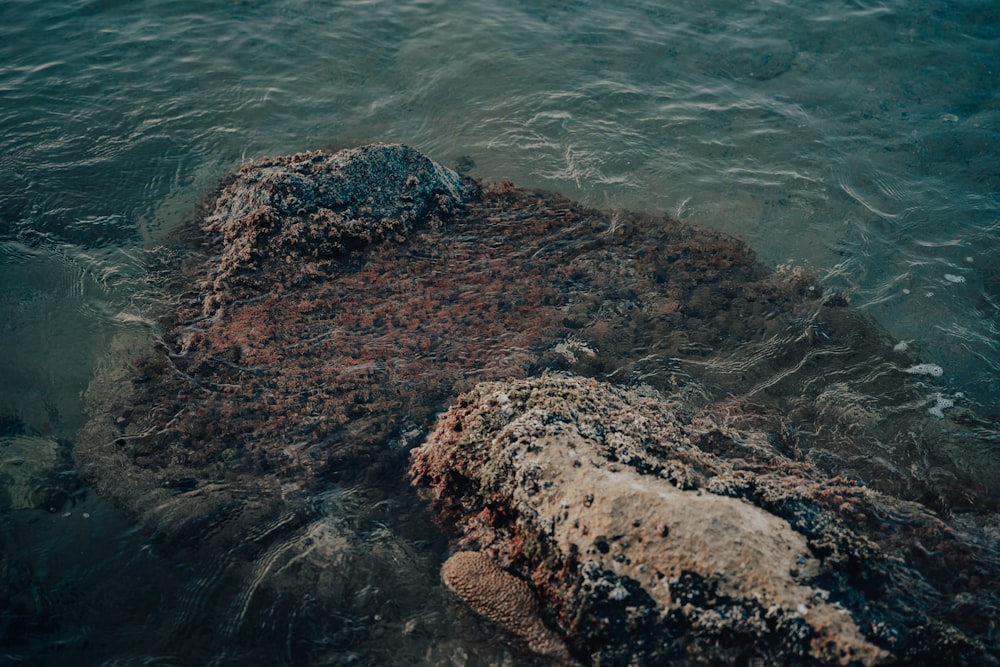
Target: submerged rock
(324,328)
(34,473)
(658,536)
(330,306)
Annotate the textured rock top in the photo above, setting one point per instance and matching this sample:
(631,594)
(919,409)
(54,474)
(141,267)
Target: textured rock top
(314,206)
(376,181)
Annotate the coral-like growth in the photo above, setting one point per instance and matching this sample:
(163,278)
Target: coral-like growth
(503,598)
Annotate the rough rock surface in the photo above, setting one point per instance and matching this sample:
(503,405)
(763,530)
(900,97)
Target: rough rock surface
(659,536)
(334,303)
(316,206)
(329,306)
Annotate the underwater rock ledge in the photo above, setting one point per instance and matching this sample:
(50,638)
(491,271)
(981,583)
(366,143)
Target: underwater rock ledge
(331,306)
(651,549)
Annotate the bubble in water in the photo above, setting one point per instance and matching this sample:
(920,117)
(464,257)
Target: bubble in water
(925,369)
(940,405)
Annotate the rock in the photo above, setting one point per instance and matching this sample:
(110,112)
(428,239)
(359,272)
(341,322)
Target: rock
(321,332)
(650,548)
(34,473)
(326,307)
(317,206)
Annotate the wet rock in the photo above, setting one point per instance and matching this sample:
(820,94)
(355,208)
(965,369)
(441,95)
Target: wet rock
(328,307)
(344,299)
(651,548)
(316,206)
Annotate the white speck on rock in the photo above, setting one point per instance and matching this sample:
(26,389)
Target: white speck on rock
(618,593)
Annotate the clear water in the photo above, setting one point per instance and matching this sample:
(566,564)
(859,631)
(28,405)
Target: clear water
(860,138)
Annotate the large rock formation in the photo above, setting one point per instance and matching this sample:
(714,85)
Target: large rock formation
(334,303)
(329,306)
(658,537)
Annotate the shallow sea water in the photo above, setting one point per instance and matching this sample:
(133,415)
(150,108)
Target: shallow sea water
(859,139)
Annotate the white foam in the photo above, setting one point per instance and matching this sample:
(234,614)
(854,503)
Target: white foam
(952,278)
(925,369)
(940,405)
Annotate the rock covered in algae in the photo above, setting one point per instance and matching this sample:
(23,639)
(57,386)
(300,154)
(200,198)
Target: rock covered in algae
(316,206)
(659,536)
(330,305)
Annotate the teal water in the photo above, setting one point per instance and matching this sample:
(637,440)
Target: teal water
(858,138)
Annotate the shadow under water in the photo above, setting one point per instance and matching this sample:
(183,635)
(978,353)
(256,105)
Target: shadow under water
(332,306)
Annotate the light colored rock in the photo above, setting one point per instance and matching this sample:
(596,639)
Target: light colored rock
(608,483)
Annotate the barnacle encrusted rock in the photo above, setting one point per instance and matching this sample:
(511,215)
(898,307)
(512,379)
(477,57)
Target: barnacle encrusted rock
(503,598)
(330,305)
(326,307)
(661,536)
